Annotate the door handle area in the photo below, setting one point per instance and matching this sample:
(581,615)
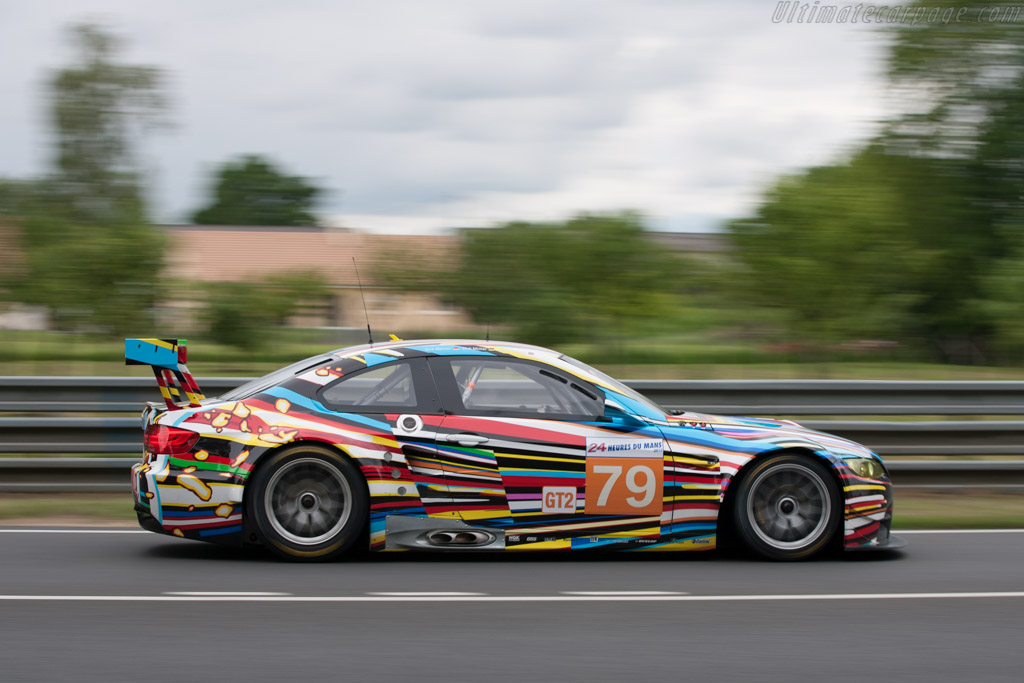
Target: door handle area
(466,439)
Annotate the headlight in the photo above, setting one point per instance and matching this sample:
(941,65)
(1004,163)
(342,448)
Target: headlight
(869,468)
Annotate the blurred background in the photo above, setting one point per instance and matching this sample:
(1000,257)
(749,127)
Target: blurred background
(750,190)
(665,190)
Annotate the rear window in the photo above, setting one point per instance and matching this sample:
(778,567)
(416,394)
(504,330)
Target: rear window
(273,379)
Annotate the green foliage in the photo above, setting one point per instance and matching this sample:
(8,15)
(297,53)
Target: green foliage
(252,191)
(590,276)
(243,314)
(1003,300)
(91,256)
(902,240)
(98,109)
(831,248)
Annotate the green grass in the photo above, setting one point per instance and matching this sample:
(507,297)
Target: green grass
(959,510)
(678,356)
(79,507)
(914,509)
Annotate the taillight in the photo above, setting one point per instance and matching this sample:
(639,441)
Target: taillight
(169,440)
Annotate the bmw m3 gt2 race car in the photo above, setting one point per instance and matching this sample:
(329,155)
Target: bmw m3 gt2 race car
(473,445)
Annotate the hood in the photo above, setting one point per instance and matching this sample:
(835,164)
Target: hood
(750,427)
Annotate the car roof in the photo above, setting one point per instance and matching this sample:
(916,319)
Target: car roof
(452,347)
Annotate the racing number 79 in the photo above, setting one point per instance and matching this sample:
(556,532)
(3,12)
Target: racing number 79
(625,486)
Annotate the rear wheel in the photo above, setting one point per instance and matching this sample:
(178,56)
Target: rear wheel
(309,503)
(787,507)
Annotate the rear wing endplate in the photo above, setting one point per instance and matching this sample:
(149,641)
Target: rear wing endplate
(167,358)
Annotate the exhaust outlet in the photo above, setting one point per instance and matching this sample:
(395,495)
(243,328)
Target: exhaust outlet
(441,538)
(459,539)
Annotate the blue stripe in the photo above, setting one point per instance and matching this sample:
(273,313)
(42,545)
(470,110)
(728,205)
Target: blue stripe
(449,350)
(316,406)
(220,531)
(184,514)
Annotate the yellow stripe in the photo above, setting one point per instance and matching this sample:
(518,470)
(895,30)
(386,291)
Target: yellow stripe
(561,544)
(690,461)
(684,544)
(483,514)
(633,533)
(863,487)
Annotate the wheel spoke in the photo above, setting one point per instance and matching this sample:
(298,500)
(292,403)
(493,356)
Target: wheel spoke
(788,506)
(308,501)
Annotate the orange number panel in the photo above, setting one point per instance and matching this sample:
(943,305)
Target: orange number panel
(624,486)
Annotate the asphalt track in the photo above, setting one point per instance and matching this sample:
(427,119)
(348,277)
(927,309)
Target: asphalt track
(121,605)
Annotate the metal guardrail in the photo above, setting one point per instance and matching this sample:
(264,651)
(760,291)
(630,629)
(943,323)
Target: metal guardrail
(27,431)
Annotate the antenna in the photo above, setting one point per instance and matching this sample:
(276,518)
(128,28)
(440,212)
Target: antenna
(365,312)
(488,331)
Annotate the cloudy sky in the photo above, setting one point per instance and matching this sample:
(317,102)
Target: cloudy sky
(420,115)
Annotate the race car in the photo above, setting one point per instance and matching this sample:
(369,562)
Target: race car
(482,446)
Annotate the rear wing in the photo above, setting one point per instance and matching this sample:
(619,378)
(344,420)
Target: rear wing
(167,357)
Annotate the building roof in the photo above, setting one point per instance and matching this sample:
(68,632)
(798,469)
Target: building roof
(217,253)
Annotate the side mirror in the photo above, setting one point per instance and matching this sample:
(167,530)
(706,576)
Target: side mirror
(613,412)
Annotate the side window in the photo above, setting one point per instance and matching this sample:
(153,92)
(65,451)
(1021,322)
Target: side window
(495,386)
(387,387)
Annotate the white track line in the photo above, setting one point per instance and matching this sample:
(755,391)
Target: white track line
(427,594)
(512,598)
(228,594)
(622,593)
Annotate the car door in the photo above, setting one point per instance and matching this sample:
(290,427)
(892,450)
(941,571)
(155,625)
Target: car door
(528,448)
(396,398)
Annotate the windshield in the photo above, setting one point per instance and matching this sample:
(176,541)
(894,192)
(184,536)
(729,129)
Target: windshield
(276,377)
(617,385)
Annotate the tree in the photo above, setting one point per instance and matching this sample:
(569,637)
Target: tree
(92,256)
(913,224)
(252,191)
(590,276)
(830,247)
(99,110)
(241,313)
(962,85)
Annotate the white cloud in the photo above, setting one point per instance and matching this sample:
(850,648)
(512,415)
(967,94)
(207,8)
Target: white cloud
(429,114)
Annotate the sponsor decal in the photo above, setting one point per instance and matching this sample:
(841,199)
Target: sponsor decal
(558,499)
(624,446)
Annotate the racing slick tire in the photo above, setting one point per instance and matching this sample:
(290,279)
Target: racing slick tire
(310,503)
(787,507)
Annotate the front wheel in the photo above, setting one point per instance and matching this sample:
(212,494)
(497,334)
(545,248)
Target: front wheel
(787,507)
(309,503)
